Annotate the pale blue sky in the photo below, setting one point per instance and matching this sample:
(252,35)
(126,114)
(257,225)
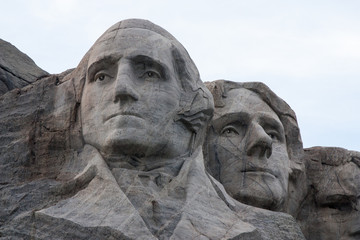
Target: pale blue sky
(308,52)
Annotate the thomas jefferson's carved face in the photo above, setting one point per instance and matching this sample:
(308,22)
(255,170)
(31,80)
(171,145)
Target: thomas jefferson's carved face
(131,96)
(247,139)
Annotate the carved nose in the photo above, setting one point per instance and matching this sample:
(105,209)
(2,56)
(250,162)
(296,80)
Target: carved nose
(124,88)
(259,143)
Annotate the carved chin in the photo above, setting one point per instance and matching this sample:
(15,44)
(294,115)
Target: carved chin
(134,142)
(124,141)
(267,195)
(261,200)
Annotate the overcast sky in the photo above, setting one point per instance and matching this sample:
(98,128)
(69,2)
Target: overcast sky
(307,52)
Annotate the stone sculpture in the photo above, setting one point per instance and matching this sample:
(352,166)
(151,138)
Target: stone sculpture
(249,123)
(332,208)
(144,112)
(113,149)
(76,178)
(254,145)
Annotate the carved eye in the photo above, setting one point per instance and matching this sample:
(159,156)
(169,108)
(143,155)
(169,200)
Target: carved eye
(341,203)
(229,131)
(152,74)
(273,135)
(344,206)
(100,77)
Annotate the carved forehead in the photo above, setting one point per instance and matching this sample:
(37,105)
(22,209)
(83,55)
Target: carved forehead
(244,99)
(220,89)
(132,42)
(131,37)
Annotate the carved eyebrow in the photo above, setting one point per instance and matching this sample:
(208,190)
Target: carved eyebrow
(151,62)
(111,59)
(268,120)
(230,118)
(101,63)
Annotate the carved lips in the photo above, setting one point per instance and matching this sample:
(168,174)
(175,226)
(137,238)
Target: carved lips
(260,170)
(125,113)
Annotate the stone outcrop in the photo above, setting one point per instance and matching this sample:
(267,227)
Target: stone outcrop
(113,149)
(34,139)
(332,208)
(16,69)
(61,182)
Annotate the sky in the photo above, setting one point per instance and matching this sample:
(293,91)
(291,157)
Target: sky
(307,52)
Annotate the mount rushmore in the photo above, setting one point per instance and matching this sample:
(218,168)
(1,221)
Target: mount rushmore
(132,144)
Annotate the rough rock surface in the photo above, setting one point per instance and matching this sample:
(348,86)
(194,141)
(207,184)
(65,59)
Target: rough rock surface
(331,210)
(254,136)
(253,146)
(113,149)
(16,69)
(59,181)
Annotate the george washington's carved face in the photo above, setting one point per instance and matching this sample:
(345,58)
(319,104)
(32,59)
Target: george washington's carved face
(131,96)
(247,140)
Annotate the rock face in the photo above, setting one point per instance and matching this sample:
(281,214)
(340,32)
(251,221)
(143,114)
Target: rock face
(113,149)
(16,69)
(253,146)
(332,207)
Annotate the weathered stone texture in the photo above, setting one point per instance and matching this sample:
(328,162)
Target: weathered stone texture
(16,68)
(29,150)
(331,210)
(254,147)
(113,149)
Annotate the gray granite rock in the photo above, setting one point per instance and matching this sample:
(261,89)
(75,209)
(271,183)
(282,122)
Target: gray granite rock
(61,181)
(254,148)
(113,149)
(331,210)
(16,68)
